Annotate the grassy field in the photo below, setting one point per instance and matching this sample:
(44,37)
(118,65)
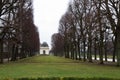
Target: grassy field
(50,66)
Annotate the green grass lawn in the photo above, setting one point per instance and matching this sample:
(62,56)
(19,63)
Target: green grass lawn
(51,66)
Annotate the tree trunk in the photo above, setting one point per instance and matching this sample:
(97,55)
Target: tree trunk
(84,51)
(90,51)
(101,49)
(118,45)
(114,52)
(76,52)
(95,50)
(68,50)
(13,57)
(79,49)
(101,33)
(105,51)
(1,52)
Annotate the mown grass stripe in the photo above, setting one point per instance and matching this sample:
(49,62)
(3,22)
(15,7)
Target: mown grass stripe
(51,66)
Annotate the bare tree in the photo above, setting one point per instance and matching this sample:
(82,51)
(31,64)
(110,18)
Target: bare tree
(57,44)
(112,8)
(13,25)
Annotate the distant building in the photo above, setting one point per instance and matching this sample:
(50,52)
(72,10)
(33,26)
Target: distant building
(44,49)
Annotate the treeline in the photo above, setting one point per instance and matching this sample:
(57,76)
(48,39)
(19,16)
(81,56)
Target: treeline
(89,28)
(19,36)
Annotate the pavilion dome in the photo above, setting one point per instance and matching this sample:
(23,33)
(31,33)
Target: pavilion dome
(44,44)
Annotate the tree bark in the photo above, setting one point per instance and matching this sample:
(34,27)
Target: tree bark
(13,53)
(105,47)
(1,52)
(84,50)
(95,50)
(118,44)
(78,45)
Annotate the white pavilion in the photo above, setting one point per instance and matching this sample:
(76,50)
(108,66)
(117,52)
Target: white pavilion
(44,49)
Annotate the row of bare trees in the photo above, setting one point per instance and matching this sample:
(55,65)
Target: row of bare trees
(17,30)
(90,28)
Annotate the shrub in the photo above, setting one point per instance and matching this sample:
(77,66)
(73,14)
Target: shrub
(64,78)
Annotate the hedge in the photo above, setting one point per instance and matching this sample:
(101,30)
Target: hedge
(65,78)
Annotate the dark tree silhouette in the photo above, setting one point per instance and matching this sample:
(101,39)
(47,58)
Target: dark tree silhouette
(17,30)
(57,44)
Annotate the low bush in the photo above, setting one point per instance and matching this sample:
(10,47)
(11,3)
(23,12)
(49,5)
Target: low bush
(65,78)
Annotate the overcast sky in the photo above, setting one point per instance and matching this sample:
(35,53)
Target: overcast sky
(47,14)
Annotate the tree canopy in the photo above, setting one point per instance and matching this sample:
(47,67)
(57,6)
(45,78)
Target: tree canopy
(17,30)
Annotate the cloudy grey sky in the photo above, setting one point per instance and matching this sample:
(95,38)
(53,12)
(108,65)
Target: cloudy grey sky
(47,14)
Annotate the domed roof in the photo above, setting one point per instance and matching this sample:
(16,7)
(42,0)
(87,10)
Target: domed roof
(44,44)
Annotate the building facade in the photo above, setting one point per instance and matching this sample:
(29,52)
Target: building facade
(44,49)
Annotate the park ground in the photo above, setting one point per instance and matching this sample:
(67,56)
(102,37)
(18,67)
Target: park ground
(51,66)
